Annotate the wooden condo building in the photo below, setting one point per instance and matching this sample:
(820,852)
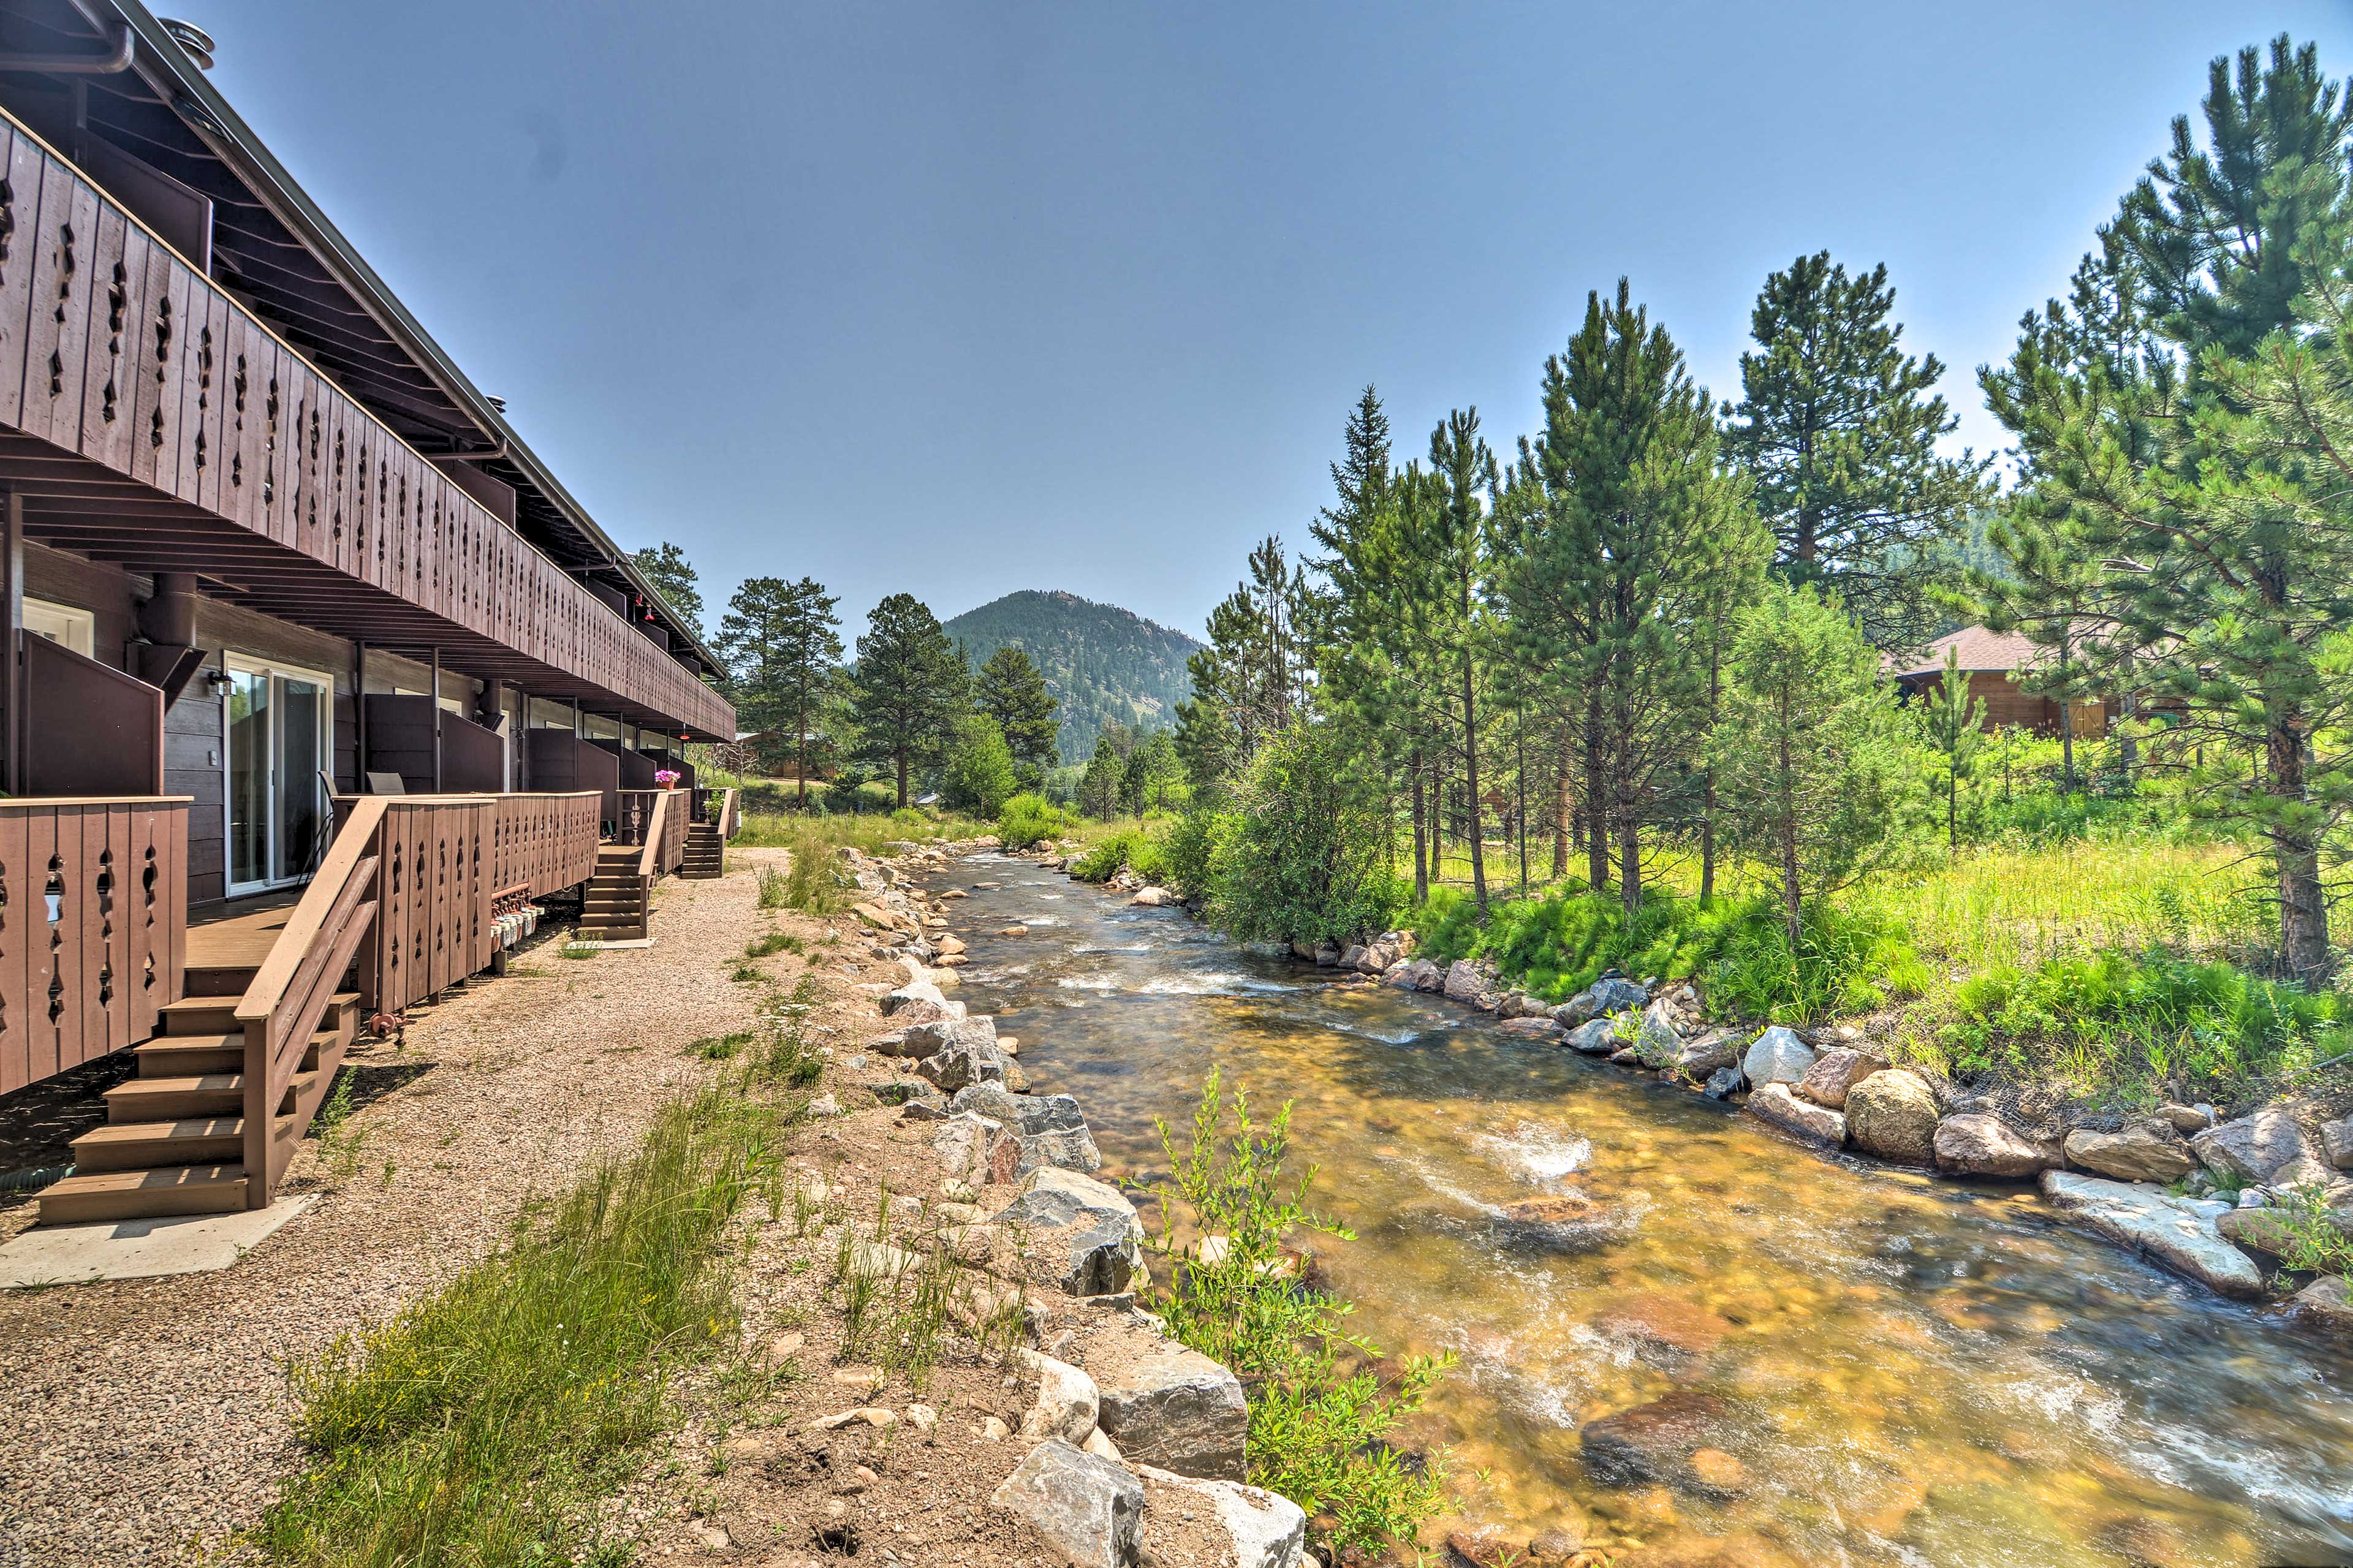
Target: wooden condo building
(314,673)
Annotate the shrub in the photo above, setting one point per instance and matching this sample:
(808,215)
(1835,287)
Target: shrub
(773,887)
(1027,819)
(979,776)
(1189,849)
(1740,948)
(1132,849)
(1321,1413)
(2114,1022)
(1305,855)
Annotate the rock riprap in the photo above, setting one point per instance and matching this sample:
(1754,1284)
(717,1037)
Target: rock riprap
(1259,1529)
(1835,1075)
(2179,1233)
(2251,1149)
(1084,1507)
(1893,1114)
(1165,1405)
(2145,1150)
(1777,1056)
(1818,1123)
(1979,1144)
(1085,1239)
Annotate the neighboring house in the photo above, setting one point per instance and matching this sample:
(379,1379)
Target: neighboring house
(1992,661)
(292,611)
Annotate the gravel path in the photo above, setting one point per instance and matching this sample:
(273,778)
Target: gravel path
(146,1422)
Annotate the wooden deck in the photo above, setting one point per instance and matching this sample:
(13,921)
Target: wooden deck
(236,934)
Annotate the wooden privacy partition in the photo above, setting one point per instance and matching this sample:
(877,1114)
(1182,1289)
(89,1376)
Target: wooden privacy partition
(656,818)
(561,761)
(401,740)
(87,730)
(93,927)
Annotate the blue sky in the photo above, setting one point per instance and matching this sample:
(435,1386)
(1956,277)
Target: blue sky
(963,298)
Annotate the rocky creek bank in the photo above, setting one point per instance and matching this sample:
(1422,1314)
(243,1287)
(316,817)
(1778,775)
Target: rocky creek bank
(1134,1443)
(2207,1198)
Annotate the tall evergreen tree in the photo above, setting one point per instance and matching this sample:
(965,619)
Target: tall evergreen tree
(665,565)
(782,644)
(1838,427)
(2184,511)
(1624,532)
(908,691)
(1011,690)
(1954,724)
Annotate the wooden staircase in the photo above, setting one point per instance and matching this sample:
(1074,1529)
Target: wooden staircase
(705,852)
(613,906)
(173,1141)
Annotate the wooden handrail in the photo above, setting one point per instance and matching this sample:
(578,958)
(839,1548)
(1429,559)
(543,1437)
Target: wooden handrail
(353,843)
(650,853)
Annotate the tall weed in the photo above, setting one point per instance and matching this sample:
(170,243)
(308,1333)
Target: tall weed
(1321,1413)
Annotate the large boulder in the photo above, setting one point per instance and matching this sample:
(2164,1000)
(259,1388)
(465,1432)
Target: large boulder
(1087,1508)
(2249,1151)
(1259,1529)
(1415,975)
(1710,1054)
(965,1061)
(2327,1302)
(1657,1043)
(1151,897)
(1835,1075)
(2144,1150)
(1578,1010)
(1817,1123)
(1893,1114)
(906,996)
(1977,1143)
(1470,982)
(2274,1230)
(1777,1056)
(1085,1239)
(1030,1113)
(1165,1405)
(1594,1038)
(963,1144)
(2179,1233)
(931,1036)
(1537,1027)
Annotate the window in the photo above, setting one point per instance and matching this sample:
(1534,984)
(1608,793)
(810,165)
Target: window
(77,629)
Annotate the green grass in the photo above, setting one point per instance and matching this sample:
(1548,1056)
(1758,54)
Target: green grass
(482,1424)
(774,887)
(719,1047)
(770,943)
(1132,849)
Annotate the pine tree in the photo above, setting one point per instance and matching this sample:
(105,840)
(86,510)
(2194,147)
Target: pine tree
(2184,512)
(1838,427)
(1011,690)
(909,689)
(1952,718)
(665,566)
(1099,786)
(782,644)
(1811,753)
(1624,533)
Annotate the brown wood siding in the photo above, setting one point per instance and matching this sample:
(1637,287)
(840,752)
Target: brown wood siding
(192,398)
(2004,703)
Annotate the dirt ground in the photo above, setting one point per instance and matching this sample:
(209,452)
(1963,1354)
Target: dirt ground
(149,1422)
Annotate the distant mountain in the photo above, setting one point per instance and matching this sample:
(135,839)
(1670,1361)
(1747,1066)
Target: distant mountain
(1103,664)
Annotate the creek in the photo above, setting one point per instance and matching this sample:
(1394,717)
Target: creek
(1876,1366)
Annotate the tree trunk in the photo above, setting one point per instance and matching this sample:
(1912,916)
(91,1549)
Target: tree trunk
(1597,800)
(2067,723)
(1629,864)
(1564,810)
(1520,790)
(1470,764)
(902,760)
(2296,849)
(1420,821)
(1708,773)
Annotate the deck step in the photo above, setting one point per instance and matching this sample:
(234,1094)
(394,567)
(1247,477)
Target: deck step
(194,1056)
(216,979)
(150,1145)
(140,1194)
(193,1015)
(187,1098)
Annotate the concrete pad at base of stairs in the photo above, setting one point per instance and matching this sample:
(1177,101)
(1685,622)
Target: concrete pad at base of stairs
(616,946)
(139,1248)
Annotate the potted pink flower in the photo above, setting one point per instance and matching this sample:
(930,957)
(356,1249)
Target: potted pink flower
(667,778)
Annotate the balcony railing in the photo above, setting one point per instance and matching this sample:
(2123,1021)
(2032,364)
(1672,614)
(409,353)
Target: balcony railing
(134,361)
(93,927)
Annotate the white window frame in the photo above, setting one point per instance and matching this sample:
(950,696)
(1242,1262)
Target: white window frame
(67,624)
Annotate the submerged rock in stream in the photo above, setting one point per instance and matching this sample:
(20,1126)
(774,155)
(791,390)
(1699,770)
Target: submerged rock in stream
(1654,1443)
(1564,1222)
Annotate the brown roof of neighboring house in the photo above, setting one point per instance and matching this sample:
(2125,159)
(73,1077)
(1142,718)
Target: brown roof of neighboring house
(1979,650)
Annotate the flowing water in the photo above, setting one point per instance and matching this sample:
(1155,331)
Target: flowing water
(1888,1369)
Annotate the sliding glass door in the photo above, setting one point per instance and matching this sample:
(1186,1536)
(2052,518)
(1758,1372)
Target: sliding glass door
(280,735)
